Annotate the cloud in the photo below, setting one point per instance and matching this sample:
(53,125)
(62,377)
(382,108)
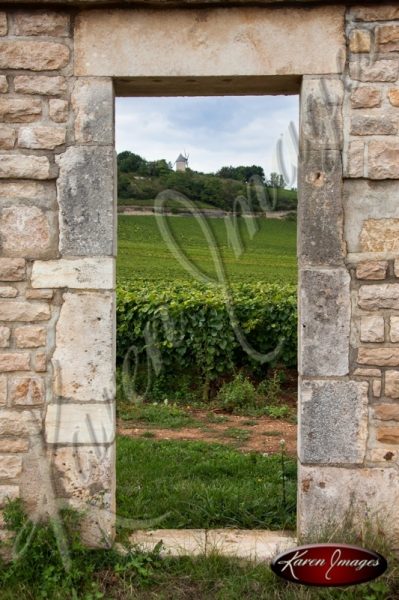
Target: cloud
(214,131)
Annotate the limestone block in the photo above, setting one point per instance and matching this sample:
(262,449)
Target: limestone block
(365,200)
(84,355)
(10,466)
(360,41)
(40,362)
(3,389)
(80,423)
(20,423)
(3,23)
(28,231)
(41,138)
(58,110)
(355,159)
(368,124)
(30,336)
(8,492)
(39,294)
(383,159)
(372,269)
(389,455)
(92,103)
(380,235)
(386,412)
(3,84)
(80,273)
(367,373)
(20,110)
(24,167)
(7,137)
(24,311)
(393,96)
(388,435)
(42,192)
(372,329)
(366,97)
(377,12)
(40,84)
(321,114)
(41,22)
(27,391)
(12,269)
(320,209)
(34,56)
(8,292)
(333,422)
(86,228)
(392,384)
(396,268)
(4,337)
(380,357)
(378,70)
(14,445)
(394,330)
(374,297)
(387,37)
(377,387)
(328,496)
(324,322)
(11,361)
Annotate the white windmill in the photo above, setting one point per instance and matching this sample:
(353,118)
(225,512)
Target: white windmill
(181,162)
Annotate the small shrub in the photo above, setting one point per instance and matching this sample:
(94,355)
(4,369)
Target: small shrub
(238,394)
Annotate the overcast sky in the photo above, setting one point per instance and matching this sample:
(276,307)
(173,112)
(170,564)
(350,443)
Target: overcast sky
(214,131)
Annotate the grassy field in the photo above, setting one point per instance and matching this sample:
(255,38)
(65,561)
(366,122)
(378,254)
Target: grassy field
(143,254)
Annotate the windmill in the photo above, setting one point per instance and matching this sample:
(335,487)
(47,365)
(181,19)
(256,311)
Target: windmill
(182,162)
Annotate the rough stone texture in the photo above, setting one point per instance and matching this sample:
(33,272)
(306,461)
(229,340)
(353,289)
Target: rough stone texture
(19,110)
(321,114)
(355,159)
(397,268)
(392,384)
(377,387)
(86,322)
(83,273)
(8,292)
(92,103)
(30,337)
(11,361)
(3,23)
(40,362)
(12,269)
(46,138)
(374,297)
(394,329)
(80,423)
(360,41)
(106,43)
(372,270)
(10,466)
(58,110)
(383,159)
(333,422)
(24,167)
(86,229)
(367,373)
(366,97)
(366,200)
(388,435)
(329,495)
(4,337)
(3,389)
(43,192)
(380,235)
(27,391)
(34,56)
(39,294)
(24,311)
(386,412)
(3,84)
(42,22)
(320,210)
(372,329)
(324,322)
(8,492)
(387,37)
(393,96)
(7,137)
(28,231)
(369,124)
(21,423)
(14,445)
(40,84)
(380,357)
(388,12)
(379,70)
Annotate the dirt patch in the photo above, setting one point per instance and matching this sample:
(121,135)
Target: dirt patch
(258,434)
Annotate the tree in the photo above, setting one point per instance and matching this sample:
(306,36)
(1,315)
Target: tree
(276,180)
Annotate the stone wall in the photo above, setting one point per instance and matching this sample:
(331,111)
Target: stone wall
(57,235)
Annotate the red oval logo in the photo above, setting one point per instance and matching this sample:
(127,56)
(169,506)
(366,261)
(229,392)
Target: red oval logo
(329,565)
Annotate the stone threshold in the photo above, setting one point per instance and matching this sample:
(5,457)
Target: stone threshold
(256,545)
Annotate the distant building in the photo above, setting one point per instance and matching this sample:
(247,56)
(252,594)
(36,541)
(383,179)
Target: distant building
(181,163)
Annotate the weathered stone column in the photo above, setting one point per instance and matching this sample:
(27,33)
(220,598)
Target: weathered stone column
(57,233)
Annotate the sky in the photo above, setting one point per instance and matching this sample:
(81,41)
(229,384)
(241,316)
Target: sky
(213,131)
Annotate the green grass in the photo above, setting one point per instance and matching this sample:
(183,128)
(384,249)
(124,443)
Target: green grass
(143,254)
(170,204)
(196,484)
(157,415)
